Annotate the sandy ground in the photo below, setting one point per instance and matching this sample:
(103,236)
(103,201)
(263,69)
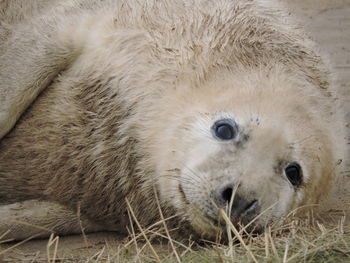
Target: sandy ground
(328,23)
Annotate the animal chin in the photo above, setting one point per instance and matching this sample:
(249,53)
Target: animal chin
(213,228)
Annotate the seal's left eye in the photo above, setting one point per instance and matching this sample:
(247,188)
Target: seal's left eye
(294,174)
(225,129)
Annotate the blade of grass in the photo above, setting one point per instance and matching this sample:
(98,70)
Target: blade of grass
(236,233)
(142,231)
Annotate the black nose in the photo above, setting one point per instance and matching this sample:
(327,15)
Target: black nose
(243,207)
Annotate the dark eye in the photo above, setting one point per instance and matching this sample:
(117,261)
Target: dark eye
(294,174)
(225,129)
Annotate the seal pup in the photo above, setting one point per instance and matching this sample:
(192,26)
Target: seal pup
(212,103)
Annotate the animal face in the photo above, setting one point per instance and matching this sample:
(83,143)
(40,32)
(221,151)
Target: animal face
(255,151)
(258,172)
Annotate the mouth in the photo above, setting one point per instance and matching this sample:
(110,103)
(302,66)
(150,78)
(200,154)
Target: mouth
(240,217)
(241,220)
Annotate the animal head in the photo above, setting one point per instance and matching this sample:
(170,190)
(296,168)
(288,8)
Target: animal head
(258,143)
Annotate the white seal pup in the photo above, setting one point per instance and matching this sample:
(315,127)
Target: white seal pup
(212,103)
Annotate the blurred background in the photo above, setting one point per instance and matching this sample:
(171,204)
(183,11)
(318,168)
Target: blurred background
(328,23)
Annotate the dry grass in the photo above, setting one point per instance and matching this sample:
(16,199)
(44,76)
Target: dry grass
(299,240)
(305,240)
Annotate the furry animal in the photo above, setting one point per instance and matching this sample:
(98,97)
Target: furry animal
(206,104)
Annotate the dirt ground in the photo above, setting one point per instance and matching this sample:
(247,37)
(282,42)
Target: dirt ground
(328,23)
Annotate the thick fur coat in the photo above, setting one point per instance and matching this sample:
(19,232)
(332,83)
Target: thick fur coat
(115,100)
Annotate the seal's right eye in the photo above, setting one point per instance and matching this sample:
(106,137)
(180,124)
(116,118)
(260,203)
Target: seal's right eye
(225,129)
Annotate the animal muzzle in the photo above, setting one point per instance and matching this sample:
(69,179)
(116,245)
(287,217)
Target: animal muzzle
(241,207)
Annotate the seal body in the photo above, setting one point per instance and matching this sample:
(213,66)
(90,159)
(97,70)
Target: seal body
(207,104)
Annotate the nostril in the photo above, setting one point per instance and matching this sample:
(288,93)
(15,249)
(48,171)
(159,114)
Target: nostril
(227,194)
(251,206)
